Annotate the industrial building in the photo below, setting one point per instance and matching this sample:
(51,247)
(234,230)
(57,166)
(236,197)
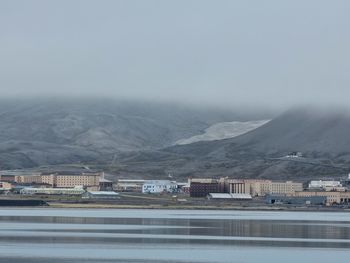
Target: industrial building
(52,191)
(332,197)
(296,200)
(326,185)
(129,185)
(159,186)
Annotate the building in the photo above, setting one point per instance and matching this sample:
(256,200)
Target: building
(235,186)
(100,195)
(225,196)
(296,200)
(257,187)
(105,185)
(28,179)
(184,187)
(287,188)
(332,197)
(159,186)
(202,187)
(71,180)
(10,178)
(5,185)
(326,185)
(129,185)
(52,191)
(55,180)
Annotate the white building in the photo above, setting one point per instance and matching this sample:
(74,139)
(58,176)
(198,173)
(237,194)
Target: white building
(52,191)
(159,186)
(324,184)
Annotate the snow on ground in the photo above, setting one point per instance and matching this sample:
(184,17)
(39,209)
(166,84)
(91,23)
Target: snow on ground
(224,130)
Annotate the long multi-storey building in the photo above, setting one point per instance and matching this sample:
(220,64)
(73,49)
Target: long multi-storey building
(202,187)
(257,187)
(332,197)
(58,180)
(28,179)
(159,186)
(71,180)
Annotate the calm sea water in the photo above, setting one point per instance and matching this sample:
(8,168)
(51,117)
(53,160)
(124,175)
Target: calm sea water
(99,235)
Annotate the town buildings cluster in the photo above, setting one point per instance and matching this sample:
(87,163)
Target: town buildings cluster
(57,183)
(93,184)
(288,192)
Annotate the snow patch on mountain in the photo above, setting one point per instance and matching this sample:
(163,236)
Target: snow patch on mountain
(224,130)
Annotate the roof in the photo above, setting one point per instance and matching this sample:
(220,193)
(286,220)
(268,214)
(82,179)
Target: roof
(230,196)
(54,189)
(103,193)
(103,180)
(131,180)
(160,182)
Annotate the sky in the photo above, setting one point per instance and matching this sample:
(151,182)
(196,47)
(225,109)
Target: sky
(223,53)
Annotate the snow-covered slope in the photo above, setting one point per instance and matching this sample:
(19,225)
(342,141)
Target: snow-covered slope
(224,130)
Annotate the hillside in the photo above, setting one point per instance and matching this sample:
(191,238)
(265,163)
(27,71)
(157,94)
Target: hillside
(322,137)
(42,131)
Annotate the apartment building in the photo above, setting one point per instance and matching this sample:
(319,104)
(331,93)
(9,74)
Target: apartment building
(7,178)
(72,180)
(287,188)
(256,187)
(202,187)
(28,179)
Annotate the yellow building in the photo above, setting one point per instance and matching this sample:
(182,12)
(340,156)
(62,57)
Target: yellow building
(28,179)
(287,188)
(333,197)
(256,187)
(72,180)
(49,179)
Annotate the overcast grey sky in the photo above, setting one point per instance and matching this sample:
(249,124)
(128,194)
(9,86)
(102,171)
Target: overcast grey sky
(216,52)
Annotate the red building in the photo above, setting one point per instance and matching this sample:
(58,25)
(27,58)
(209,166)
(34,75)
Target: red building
(201,188)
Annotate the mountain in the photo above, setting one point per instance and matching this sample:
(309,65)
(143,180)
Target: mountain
(136,139)
(37,132)
(322,136)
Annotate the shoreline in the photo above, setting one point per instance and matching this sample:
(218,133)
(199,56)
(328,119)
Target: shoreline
(161,203)
(58,205)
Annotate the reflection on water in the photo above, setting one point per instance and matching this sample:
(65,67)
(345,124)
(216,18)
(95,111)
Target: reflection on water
(51,235)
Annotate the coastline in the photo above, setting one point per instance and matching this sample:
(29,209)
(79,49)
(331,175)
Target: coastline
(59,205)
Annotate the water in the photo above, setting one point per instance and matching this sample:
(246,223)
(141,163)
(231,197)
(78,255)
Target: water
(107,235)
